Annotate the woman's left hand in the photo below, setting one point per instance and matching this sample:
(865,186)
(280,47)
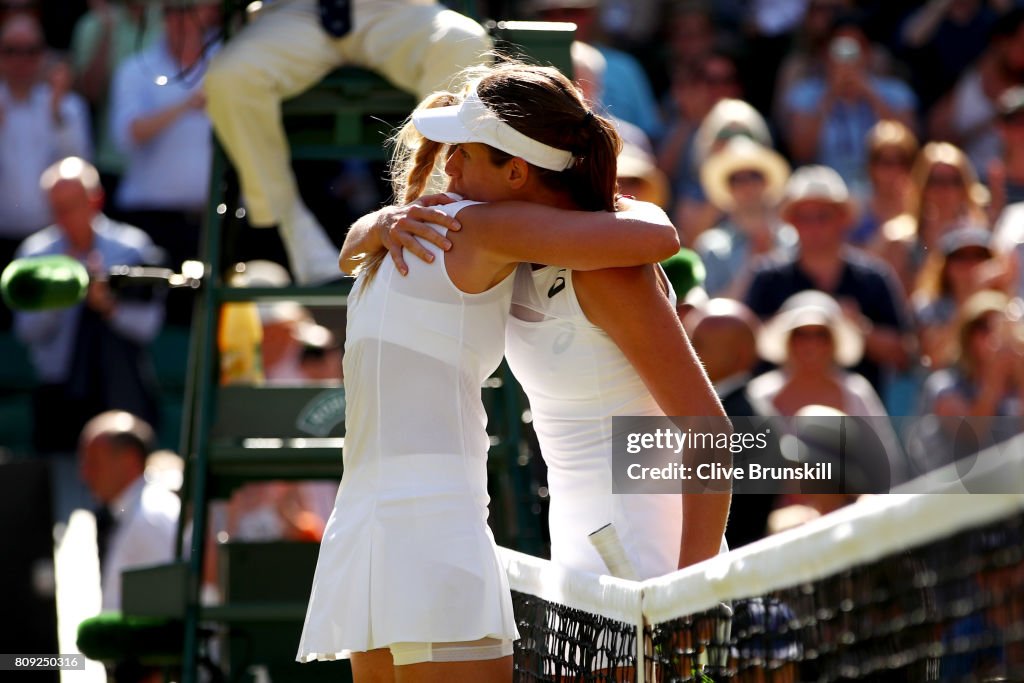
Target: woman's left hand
(412,226)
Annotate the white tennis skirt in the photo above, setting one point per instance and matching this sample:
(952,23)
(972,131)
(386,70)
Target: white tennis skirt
(405,568)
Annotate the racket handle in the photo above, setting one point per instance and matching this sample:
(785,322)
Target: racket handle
(609,546)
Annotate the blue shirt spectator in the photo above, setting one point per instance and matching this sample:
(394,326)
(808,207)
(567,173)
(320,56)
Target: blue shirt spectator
(50,335)
(40,122)
(847,122)
(92,356)
(171,168)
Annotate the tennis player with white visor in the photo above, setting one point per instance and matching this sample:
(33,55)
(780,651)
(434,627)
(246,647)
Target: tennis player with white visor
(586,346)
(408,583)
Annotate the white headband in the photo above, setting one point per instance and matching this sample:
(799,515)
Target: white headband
(473,121)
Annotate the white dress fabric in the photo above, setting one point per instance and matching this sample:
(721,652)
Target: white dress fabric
(577,379)
(407,555)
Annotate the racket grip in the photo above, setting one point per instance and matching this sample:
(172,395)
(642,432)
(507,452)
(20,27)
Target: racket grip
(609,546)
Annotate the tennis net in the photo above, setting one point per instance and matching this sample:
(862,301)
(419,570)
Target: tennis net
(900,587)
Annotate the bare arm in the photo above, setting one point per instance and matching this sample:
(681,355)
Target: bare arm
(521,232)
(513,232)
(629,305)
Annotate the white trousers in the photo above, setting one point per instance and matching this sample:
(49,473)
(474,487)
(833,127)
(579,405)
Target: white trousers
(417,45)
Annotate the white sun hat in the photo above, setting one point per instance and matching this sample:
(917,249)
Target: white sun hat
(474,121)
(742,154)
(810,307)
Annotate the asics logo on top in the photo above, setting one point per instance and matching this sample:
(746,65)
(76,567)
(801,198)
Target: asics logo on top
(558,286)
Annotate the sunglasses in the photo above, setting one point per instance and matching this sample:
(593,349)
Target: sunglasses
(809,333)
(744,177)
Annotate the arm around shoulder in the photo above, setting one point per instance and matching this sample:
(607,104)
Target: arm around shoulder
(517,231)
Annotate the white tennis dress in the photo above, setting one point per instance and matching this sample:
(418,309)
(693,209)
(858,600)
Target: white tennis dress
(576,379)
(407,555)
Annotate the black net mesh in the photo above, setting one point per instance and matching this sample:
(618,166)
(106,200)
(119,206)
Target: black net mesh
(951,610)
(559,643)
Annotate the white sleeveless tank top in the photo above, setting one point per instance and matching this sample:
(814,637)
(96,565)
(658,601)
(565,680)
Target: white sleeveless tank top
(407,555)
(576,379)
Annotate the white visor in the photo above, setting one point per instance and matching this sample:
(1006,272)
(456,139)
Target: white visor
(472,121)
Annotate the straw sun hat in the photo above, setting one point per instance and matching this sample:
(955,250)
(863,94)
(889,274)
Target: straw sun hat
(742,154)
(810,307)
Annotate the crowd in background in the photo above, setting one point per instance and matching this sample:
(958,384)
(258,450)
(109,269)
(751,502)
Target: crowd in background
(870,151)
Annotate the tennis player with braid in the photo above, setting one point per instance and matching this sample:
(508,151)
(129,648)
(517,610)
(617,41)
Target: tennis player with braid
(587,346)
(408,583)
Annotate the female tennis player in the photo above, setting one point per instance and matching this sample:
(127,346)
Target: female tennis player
(587,346)
(408,582)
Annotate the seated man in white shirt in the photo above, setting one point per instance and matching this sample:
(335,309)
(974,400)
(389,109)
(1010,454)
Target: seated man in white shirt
(136,521)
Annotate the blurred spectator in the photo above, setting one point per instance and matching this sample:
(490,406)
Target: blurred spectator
(110,32)
(416,44)
(1008,242)
(320,355)
(675,153)
(136,521)
(41,121)
(689,145)
(745,181)
(827,118)
(275,510)
(988,377)
(589,67)
(630,23)
(812,340)
(282,347)
(91,357)
(814,343)
(640,177)
(689,34)
(627,92)
(10,8)
(966,266)
(808,52)
(966,115)
(892,148)
(1005,175)
(728,118)
(986,382)
(943,37)
(946,195)
(158,122)
(817,204)
(280,343)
